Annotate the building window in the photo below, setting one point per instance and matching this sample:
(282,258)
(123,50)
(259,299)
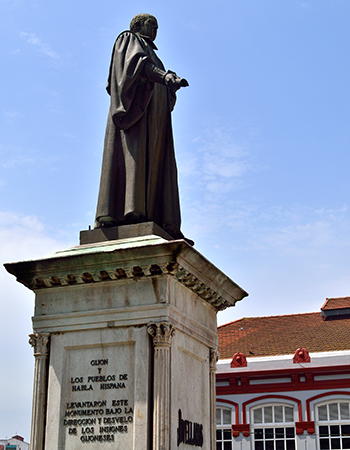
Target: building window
(223,429)
(273,427)
(333,423)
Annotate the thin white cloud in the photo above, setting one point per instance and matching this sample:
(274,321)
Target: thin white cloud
(304,4)
(42,47)
(312,233)
(291,228)
(288,259)
(221,156)
(15,162)
(218,164)
(315,234)
(30,224)
(12,114)
(217,167)
(21,238)
(13,156)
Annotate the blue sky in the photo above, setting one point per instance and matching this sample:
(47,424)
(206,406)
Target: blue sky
(262,142)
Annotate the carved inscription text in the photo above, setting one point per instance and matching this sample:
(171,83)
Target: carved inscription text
(98,419)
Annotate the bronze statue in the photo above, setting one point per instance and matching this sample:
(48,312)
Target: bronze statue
(139,175)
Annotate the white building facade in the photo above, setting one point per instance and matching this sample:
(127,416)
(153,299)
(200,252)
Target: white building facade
(288,401)
(14,443)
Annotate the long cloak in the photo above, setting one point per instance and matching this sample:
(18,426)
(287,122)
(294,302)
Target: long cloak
(139,175)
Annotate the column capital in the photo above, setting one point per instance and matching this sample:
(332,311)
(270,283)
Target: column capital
(161,332)
(40,341)
(213,358)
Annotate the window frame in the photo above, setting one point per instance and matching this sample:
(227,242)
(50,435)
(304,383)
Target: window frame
(331,422)
(224,426)
(273,424)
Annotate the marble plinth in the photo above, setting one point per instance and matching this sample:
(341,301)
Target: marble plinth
(123,232)
(125,345)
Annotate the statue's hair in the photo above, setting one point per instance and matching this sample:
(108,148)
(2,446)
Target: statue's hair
(137,22)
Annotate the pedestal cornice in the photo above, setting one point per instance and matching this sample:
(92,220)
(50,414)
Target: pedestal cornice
(116,261)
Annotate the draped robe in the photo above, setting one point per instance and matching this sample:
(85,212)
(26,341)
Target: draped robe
(139,175)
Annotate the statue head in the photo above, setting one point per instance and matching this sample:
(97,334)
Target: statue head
(145,24)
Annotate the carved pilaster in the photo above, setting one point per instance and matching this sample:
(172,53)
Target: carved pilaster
(161,333)
(213,357)
(40,343)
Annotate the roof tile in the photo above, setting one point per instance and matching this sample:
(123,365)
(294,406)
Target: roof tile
(336,303)
(278,335)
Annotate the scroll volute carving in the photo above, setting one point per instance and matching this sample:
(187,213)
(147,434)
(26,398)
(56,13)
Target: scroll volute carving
(162,333)
(40,343)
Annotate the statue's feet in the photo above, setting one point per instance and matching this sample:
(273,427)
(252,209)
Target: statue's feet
(189,241)
(105,222)
(133,218)
(177,234)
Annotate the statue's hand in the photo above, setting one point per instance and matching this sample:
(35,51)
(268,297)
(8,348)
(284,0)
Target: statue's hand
(174,82)
(184,82)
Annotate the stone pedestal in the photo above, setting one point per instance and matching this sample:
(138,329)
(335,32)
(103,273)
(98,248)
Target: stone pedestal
(125,345)
(123,232)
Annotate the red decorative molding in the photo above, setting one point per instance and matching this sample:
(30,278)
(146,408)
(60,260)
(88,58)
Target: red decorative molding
(301,355)
(229,402)
(241,428)
(238,382)
(325,394)
(309,426)
(238,360)
(282,387)
(324,370)
(264,397)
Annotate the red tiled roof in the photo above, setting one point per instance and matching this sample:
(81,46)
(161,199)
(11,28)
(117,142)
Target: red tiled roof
(336,303)
(279,335)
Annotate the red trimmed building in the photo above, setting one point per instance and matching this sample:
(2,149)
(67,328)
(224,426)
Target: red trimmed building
(283,382)
(14,443)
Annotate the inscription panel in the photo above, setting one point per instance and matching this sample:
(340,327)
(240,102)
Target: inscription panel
(98,397)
